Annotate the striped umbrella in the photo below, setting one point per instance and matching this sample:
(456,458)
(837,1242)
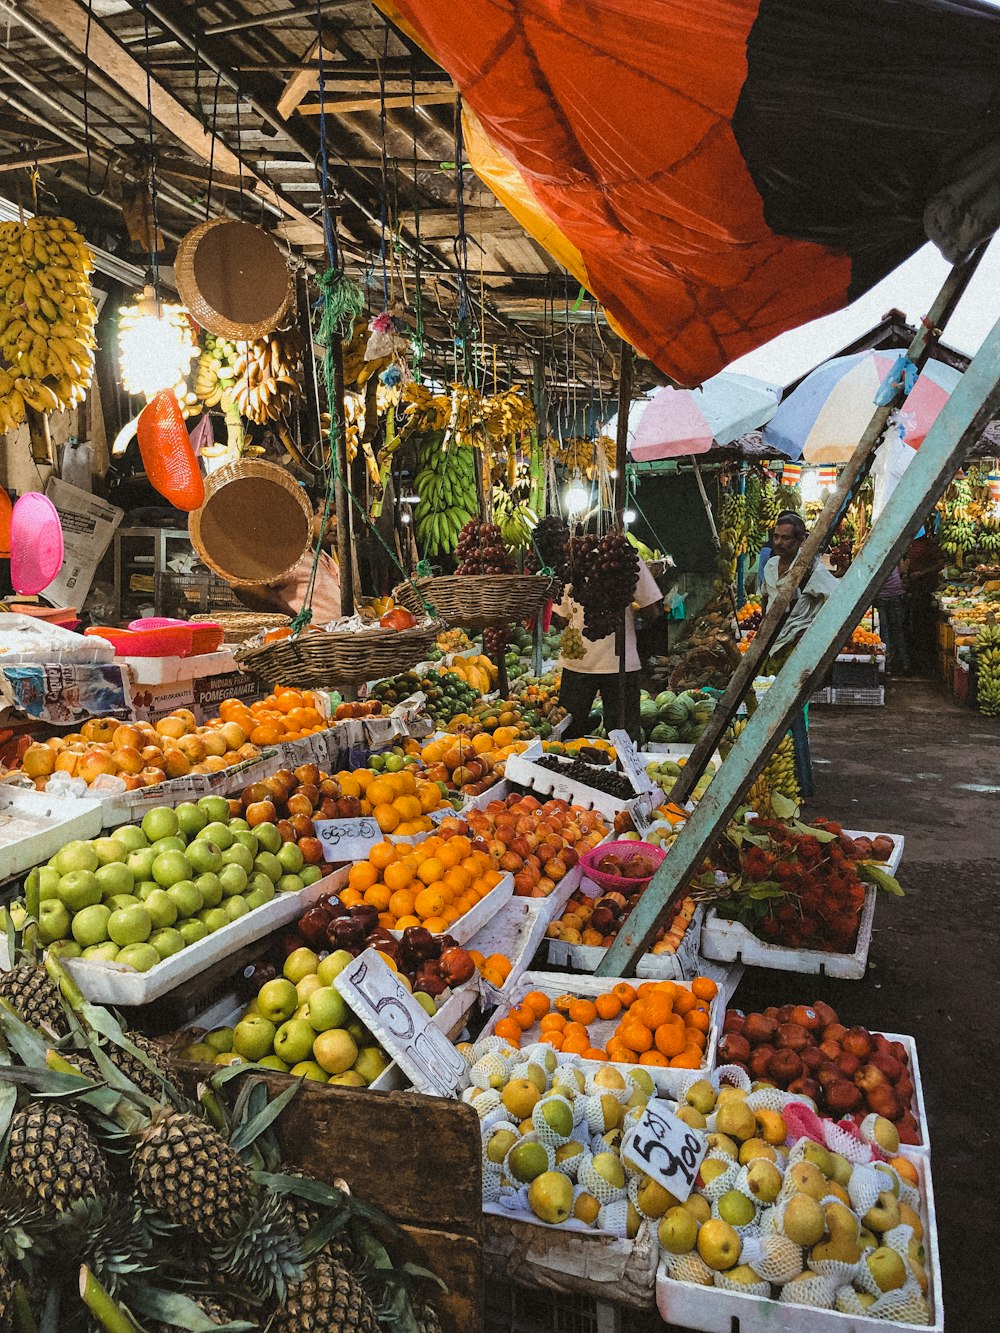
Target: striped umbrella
(669,423)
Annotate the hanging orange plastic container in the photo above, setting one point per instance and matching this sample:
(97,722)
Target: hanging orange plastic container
(167,455)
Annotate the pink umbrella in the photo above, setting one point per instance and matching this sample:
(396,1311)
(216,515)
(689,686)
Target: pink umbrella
(690,421)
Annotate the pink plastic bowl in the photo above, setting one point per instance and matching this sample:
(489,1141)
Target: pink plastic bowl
(605,881)
(36,543)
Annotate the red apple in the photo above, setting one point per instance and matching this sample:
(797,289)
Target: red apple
(784,1066)
(842,1097)
(792,1037)
(733,1047)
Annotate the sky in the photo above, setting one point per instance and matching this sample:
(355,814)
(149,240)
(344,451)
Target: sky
(910,288)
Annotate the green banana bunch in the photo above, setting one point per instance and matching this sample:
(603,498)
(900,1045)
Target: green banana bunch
(642,550)
(986,651)
(446,484)
(215,370)
(735,519)
(516,520)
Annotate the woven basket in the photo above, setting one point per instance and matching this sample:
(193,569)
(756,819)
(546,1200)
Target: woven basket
(320,660)
(255,525)
(238,626)
(233,279)
(475,601)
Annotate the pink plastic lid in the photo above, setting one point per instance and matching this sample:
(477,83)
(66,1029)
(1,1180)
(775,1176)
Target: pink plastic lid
(36,543)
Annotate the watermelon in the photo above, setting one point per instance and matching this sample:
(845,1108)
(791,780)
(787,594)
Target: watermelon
(663,734)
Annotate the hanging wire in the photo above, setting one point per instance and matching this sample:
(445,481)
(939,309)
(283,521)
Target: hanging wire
(418,300)
(94,194)
(154,256)
(384,182)
(211,149)
(239,146)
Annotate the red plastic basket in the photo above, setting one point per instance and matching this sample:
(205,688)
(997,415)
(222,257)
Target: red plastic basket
(206,636)
(168,641)
(605,881)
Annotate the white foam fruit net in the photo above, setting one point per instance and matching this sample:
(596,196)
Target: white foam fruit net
(776,1258)
(594,1183)
(814,1289)
(613,1217)
(836,1269)
(689,1268)
(724,1181)
(726,1283)
(528,1138)
(864,1187)
(546,1134)
(569,1165)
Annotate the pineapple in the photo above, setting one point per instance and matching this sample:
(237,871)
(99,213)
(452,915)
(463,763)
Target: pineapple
(187,1171)
(426,1317)
(306,1216)
(35,997)
(133,1068)
(208,1306)
(53,1158)
(329,1299)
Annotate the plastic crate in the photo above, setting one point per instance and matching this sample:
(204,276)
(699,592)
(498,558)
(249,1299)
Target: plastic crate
(864,698)
(512,1308)
(855,675)
(824,696)
(186,594)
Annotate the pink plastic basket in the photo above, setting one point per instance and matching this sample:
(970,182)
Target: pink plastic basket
(206,636)
(605,881)
(168,641)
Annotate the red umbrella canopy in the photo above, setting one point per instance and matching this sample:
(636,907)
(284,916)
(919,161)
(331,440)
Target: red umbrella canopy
(718,171)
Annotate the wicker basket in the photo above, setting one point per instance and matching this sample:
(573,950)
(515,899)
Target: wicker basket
(321,660)
(475,601)
(233,279)
(238,626)
(255,525)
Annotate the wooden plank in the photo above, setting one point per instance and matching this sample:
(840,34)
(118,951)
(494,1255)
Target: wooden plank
(37,160)
(303,81)
(480,224)
(459,1262)
(70,18)
(343,105)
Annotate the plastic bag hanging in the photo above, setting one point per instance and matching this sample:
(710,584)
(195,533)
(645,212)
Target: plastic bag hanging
(167,455)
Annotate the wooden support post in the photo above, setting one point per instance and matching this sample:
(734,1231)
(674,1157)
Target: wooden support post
(815,543)
(345,552)
(621,489)
(960,423)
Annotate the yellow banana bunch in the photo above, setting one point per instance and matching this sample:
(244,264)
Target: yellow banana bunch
(580,455)
(47,317)
(268,376)
(215,371)
(509,414)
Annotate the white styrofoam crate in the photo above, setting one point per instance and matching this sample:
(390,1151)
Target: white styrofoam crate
(667,1081)
(34,825)
(712,1310)
(918,1108)
(516,931)
(472,921)
(730,941)
(166,670)
(678,966)
(547,782)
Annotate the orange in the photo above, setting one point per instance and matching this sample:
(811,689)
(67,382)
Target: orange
(430,870)
(378,896)
(349,785)
(575,1045)
(429,902)
(689,1060)
(437,925)
(625,993)
(387,920)
(635,1035)
(684,1002)
(397,876)
(428,795)
(406,920)
(537,1002)
(523,1016)
(554,1039)
(408,806)
(509,1029)
(657,1009)
(593,1053)
(387,817)
(267,733)
(458,879)
(351,897)
(563,1002)
(500,963)
(576,1030)
(608,1006)
(583,1012)
(289,699)
(552,1023)
(645,988)
(698,1020)
(694,1039)
(401,902)
(383,854)
(705,988)
(380,792)
(667,988)
(491,975)
(620,1053)
(362,875)
(653,1058)
(670,1038)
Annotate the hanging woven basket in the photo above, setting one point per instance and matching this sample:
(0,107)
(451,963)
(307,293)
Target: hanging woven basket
(321,659)
(255,525)
(476,601)
(233,279)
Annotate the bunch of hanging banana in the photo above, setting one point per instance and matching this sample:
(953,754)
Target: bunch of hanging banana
(580,455)
(516,519)
(268,376)
(445,480)
(215,372)
(986,651)
(47,317)
(508,414)
(358,371)
(429,411)
(735,520)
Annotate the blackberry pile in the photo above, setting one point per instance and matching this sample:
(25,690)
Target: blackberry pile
(600,779)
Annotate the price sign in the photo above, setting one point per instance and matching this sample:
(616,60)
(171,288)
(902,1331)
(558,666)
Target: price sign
(670,1151)
(348,839)
(642,814)
(631,763)
(423,1053)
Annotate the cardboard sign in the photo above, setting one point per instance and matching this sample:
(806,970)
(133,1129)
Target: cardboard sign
(405,1030)
(642,814)
(348,839)
(630,761)
(668,1150)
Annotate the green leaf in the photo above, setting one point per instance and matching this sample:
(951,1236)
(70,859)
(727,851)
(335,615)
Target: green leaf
(783,806)
(766,889)
(872,873)
(253,1128)
(171,1307)
(807,830)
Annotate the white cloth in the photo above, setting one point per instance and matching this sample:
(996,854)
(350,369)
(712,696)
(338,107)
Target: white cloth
(811,596)
(599,654)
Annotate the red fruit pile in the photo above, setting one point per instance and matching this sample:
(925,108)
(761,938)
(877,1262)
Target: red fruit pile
(480,550)
(848,1072)
(292,800)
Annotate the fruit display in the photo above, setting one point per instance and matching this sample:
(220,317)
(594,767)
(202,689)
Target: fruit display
(47,317)
(797,885)
(494,968)
(134,1206)
(267,376)
(452,640)
(476,669)
(863,640)
(605,780)
(848,1073)
(749,616)
(215,370)
(603,573)
(654,1023)
(970,528)
(481,550)
(445,693)
(665,772)
(142,754)
(705,657)
(431,884)
(986,654)
(595,921)
(777,777)
(549,541)
(517,715)
(145,892)
(394,794)
(445,480)
(537,842)
(358,708)
(286,714)
(797,1222)
(668,717)
(470,764)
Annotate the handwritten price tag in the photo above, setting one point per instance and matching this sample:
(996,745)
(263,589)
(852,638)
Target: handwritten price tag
(642,814)
(423,1053)
(670,1151)
(631,763)
(348,839)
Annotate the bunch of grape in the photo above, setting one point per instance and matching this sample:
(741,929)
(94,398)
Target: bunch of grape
(603,571)
(481,550)
(571,645)
(549,541)
(495,640)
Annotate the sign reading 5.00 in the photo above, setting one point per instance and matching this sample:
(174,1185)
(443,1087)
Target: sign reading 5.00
(669,1151)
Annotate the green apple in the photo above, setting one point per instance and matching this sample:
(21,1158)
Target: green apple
(308,1069)
(145,887)
(290,857)
(253,1038)
(76,855)
(161,908)
(141,956)
(306,986)
(233,879)
(130,837)
(238,855)
(216,808)
(160,822)
(310,875)
(115,877)
(167,941)
(239,825)
(186,897)
(332,966)
(48,882)
(293,1041)
(205,857)
(213,918)
(426,1002)
(248,839)
(258,880)
(192,930)
(361,1035)
(67,948)
(274,1062)
(290,884)
(170,868)
(91,925)
(327,1009)
(220,1040)
(210,889)
(119,900)
(169,845)
(130,926)
(110,850)
(371,1062)
(277,1000)
(190,819)
(103,953)
(268,864)
(78,889)
(268,837)
(257,897)
(141,862)
(219,833)
(235,907)
(350,1078)
(299,963)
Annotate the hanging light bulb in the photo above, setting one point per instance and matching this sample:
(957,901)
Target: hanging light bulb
(577,497)
(629,516)
(156,345)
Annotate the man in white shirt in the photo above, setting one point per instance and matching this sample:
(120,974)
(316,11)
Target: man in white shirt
(597,671)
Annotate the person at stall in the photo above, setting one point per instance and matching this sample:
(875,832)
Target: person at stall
(286,596)
(598,671)
(891,607)
(921,568)
(789,533)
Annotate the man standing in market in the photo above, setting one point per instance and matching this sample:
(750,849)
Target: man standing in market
(789,533)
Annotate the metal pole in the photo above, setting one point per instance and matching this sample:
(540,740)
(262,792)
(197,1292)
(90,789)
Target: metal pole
(621,489)
(854,473)
(960,422)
